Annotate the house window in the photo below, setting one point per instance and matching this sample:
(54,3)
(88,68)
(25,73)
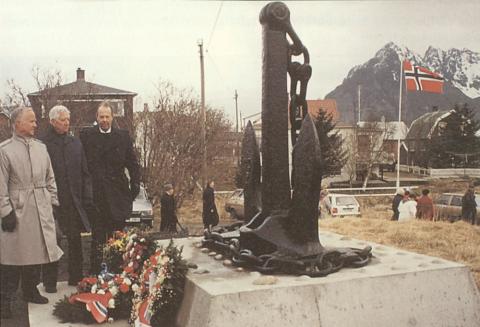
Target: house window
(118,108)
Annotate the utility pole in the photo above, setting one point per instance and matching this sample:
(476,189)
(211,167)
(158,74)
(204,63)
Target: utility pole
(241,121)
(237,150)
(236,108)
(359,93)
(204,116)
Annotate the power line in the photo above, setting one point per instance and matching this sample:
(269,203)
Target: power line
(214,26)
(225,84)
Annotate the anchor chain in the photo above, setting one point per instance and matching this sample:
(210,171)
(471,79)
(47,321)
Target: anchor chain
(327,262)
(299,76)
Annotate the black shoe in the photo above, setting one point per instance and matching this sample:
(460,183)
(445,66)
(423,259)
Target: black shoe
(6,311)
(36,298)
(51,289)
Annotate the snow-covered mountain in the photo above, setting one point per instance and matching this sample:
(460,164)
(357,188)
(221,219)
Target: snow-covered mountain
(379,80)
(460,67)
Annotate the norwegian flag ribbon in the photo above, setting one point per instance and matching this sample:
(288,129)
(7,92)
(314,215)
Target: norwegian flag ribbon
(97,304)
(421,79)
(144,315)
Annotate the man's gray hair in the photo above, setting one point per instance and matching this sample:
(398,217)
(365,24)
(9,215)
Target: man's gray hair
(17,113)
(57,110)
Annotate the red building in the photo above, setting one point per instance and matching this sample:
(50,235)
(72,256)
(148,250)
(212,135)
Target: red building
(82,99)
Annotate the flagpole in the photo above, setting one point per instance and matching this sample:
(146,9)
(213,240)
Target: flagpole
(399,123)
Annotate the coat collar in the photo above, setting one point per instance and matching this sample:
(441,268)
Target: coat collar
(52,136)
(22,139)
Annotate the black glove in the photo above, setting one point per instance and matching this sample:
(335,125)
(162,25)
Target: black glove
(9,222)
(134,190)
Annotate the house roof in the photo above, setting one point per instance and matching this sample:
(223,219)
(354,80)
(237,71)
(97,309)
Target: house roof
(82,87)
(327,105)
(423,126)
(5,113)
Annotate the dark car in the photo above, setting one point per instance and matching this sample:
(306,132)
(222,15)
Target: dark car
(234,204)
(142,212)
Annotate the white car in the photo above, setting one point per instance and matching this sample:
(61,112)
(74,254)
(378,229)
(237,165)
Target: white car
(142,210)
(340,205)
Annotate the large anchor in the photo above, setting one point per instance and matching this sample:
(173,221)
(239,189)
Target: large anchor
(287,222)
(282,230)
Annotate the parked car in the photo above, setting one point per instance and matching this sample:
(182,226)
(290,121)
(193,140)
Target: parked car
(142,211)
(448,206)
(234,205)
(340,205)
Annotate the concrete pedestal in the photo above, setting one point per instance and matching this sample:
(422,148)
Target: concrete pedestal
(398,288)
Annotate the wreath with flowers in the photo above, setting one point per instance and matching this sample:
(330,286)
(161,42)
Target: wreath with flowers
(140,281)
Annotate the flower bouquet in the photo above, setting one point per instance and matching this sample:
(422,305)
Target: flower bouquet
(113,295)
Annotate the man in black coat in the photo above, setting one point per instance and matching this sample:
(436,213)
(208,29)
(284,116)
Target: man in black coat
(109,152)
(167,211)
(209,213)
(396,202)
(469,206)
(74,194)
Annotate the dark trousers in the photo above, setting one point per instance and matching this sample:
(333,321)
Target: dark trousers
(103,227)
(10,277)
(75,262)
(168,224)
(470,214)
(70,223)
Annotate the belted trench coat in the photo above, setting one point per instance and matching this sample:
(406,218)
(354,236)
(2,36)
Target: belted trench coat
(27,186)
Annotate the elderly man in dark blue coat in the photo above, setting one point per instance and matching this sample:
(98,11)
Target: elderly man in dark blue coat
(74,193)
(109,152)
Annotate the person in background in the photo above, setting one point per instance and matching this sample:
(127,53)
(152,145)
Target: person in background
(425,206)
(396,201)
(407,209)
(209,213)
(74,194)
(168,207)
(27,194)
(469,206)
(109,153)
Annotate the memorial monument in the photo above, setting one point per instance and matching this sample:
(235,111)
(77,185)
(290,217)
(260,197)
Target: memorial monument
(282,230)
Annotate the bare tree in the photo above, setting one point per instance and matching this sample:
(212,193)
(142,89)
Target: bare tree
(168,139)
(371,143)
(15,95)
(351,146)
(45,79)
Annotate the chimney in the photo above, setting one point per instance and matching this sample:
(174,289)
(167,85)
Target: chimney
(80,74)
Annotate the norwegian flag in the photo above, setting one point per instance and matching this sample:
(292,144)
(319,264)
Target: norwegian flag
(95,303)
(144,315)
(421,79)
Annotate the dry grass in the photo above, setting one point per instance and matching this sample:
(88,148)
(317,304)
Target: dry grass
(458,242)
(190,214)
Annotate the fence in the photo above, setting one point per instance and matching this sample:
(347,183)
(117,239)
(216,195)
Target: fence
(442,173)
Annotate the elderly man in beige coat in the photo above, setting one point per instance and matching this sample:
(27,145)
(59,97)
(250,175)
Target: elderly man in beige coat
(27,193)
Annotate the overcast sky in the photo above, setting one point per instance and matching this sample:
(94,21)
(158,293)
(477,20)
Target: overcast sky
(130,45)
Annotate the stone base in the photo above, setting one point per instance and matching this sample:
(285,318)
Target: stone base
(398,288)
